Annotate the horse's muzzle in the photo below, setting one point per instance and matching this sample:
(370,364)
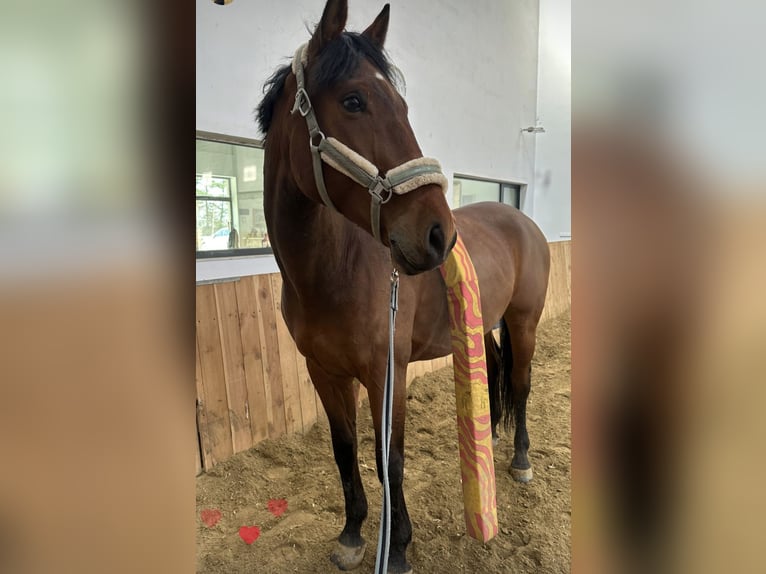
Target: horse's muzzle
(433,254)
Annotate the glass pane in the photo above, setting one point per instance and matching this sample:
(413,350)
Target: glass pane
(511,195)
(212,186)
(457,192)
(213,224)
(231,176)
(472,191)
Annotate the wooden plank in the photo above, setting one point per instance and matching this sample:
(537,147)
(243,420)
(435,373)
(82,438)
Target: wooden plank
(271,422)
(287,352)
(215,403)
(418,369)
(562,300)
(233,365)
(558,298)
(557,278)
(321,414)
(568,272)
(250,334)
(203,436)
(270,356)
(548,310)
(362,393)
(307,394)
(421,368)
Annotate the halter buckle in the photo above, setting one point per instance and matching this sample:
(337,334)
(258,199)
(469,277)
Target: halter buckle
(316,134)
(302,102)
(376,189)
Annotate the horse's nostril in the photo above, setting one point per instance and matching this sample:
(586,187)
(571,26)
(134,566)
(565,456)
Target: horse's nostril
(436,240)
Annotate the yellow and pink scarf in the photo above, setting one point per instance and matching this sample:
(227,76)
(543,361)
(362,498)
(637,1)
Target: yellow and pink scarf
(477,467)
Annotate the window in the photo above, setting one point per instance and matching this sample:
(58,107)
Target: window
(468,190)
(229,198)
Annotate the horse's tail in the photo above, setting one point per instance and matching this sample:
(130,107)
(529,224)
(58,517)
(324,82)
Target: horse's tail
(499,366)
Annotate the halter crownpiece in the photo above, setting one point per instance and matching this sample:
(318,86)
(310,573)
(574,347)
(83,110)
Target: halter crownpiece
(399,180)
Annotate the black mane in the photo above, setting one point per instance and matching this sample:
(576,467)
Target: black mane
(338,60)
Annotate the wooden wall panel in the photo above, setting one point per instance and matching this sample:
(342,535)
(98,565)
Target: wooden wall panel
(271,361)
(267,408)
(214,400)
(307,393)
(321,414)
(418,369)
(250,333)
(233,365)
(287,362)
(203,434)
(559,296)
(252,382)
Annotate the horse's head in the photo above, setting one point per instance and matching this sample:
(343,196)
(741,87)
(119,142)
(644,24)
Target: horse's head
(351,127)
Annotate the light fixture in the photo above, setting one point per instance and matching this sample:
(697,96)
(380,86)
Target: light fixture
(250,172)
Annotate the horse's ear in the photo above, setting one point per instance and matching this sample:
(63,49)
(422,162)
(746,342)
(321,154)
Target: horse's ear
(376,31)
(330,26)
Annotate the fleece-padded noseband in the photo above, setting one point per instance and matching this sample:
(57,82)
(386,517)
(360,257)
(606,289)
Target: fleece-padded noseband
(402,179)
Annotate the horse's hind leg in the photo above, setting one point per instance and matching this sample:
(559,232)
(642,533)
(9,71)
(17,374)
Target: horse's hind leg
(494,372)
(338,398)
(521,343)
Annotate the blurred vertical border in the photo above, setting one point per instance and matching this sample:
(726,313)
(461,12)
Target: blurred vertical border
(96,287)
(669,315)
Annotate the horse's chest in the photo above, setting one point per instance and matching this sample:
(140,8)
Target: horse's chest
(326,336)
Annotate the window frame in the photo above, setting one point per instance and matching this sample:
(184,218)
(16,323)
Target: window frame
(228,253)
(521,187)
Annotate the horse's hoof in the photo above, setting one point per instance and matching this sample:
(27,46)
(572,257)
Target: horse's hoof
(408,571)
(521,475)
(348,557)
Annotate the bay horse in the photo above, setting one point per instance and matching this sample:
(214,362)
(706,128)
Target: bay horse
(335,253)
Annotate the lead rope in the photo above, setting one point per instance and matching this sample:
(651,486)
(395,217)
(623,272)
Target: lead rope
(384,534)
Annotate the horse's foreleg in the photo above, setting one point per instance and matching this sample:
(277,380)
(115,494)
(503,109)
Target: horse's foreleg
(522,339)
(401,528)
(338,398)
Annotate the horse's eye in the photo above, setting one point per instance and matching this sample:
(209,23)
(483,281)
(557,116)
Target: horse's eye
(353,104)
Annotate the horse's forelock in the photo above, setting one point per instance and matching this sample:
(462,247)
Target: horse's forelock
(337,61)
(340,59)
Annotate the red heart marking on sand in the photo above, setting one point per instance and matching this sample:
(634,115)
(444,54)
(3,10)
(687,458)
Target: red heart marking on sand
(210,516)
(249,533)
(277,506)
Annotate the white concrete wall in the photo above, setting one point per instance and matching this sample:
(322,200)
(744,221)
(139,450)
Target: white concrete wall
(552,198)
(470,68)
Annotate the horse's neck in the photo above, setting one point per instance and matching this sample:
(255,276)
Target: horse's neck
(318,251)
